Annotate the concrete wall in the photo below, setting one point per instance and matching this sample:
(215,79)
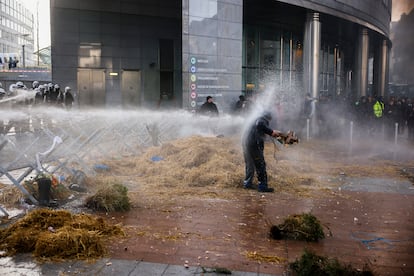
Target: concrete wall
(114,35)
(212,52)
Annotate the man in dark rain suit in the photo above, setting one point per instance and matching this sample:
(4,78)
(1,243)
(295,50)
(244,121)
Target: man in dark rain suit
(253,146)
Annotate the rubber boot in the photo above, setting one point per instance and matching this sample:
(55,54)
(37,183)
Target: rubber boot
(262,188)
(44,185)
(248,185)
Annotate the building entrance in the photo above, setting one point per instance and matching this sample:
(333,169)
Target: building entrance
(91,87)
(131,88)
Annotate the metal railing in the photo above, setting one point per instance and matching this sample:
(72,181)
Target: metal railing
(55,141)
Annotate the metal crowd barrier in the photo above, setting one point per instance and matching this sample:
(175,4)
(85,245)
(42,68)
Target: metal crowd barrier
(62,142)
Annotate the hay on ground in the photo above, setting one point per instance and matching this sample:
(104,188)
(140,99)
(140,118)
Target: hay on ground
(11,195)
(189,162)
(110,198)
(305,227)
(312,264)
(57,234)
(78,243)
(262,258)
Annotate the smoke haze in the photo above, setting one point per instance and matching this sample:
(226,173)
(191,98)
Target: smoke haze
(400,7)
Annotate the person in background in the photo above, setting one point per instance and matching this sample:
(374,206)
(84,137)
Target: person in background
(253,147)
(2,91)
(378,109)
(48,92)
(35,84)
(410,120)
(239,106)
(308,106)
(40,97)
(209,108)
(67,99)
(55,91)
(13,62)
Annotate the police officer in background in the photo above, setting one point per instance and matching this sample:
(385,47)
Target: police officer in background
(253,146)
(40,96)
(209,107)
(35,84)
(54,93)
(67,98)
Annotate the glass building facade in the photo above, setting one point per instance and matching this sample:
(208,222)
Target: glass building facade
(174,53)
(16,34)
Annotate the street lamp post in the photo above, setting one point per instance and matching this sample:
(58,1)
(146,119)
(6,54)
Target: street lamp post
(24,50)
(24,56)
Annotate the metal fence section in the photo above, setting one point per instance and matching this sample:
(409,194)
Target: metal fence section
(61,142)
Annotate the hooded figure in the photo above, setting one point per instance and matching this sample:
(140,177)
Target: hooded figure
(253,146)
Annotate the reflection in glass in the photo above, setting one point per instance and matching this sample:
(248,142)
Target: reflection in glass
(90,55)
(271,55)
(203,8)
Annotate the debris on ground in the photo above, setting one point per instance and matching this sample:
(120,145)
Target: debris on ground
(312,264)
(110,198)
(57,235)
(262,258)
(12,196)
(216,270)
(101,167)
(185,163)
(304,227)
(77,181)
(408,173)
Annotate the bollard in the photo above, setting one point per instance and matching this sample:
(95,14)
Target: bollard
(396,134)
(307,129)
(351,134)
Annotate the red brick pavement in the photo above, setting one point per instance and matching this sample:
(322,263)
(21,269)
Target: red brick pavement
(374,229)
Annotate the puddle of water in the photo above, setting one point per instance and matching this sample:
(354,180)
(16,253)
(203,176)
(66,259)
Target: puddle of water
(379,185)
(8,266)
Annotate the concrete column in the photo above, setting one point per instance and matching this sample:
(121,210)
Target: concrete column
(362,63)
(384,73)
(312,46)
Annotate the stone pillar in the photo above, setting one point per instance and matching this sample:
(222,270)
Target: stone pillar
(312,48)
(362,64)
(383,77)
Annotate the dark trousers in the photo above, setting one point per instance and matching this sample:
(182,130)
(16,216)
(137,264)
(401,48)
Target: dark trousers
(254,161)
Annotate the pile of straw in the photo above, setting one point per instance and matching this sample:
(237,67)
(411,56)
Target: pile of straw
(57,234)
(110,198)
(304,227)
(10,195)
(312,264)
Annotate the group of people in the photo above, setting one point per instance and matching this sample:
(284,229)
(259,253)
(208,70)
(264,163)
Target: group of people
(242,105)
(371,114)
(209,108)
(11,62)
(42,94)
(374,113)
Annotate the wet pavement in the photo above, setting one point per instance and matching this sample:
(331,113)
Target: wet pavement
(368,223)
(364,229)
(371,226)
(23,265)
